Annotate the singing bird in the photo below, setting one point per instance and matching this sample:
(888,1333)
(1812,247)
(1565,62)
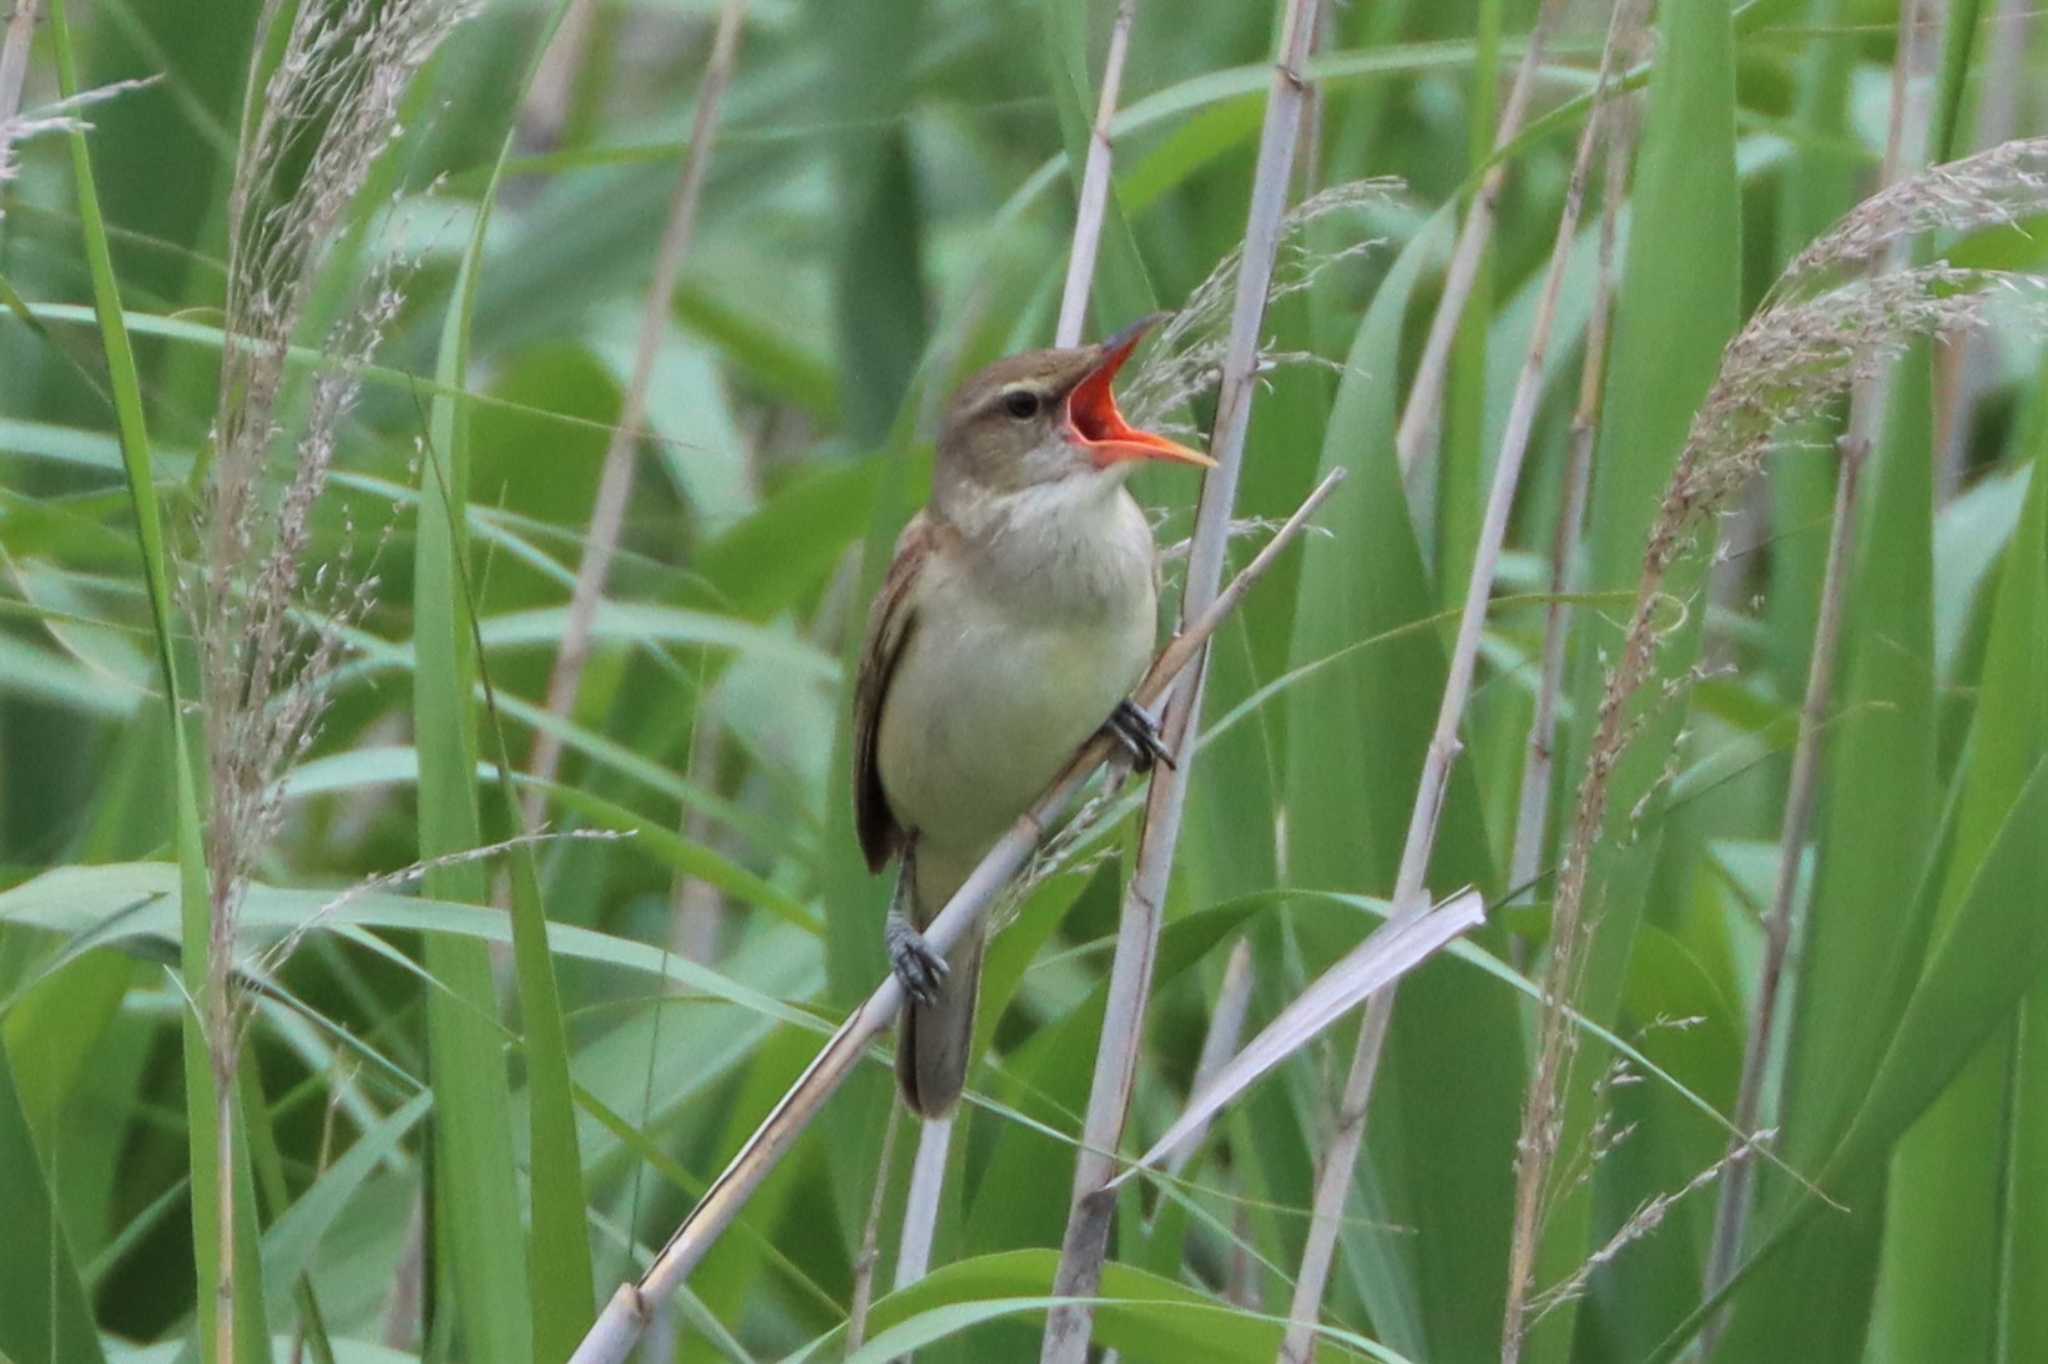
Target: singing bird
(1018,612)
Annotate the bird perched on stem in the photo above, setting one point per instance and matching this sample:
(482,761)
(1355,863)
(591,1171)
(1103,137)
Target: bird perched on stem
(1017,614)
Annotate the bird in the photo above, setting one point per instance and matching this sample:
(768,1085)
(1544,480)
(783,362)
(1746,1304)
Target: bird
(1019,610)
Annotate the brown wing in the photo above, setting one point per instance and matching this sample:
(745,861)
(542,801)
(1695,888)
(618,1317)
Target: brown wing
(891,621)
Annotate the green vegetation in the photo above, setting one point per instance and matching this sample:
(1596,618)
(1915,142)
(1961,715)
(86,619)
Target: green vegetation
(398,938)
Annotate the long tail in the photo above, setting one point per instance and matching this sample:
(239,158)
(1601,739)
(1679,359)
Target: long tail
(935,1041)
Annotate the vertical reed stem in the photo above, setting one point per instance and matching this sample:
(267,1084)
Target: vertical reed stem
(1411,896)
(1419,417)
(1086,1242)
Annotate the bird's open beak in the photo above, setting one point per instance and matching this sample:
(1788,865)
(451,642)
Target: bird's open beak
(1101,430)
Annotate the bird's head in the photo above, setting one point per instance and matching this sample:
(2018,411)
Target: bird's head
(1046,416)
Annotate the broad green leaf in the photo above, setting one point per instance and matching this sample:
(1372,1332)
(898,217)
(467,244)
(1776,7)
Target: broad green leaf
(44,1314)
(1875,831)
(202,1110)
(1356,737)
(1142,1315)
(480,1240)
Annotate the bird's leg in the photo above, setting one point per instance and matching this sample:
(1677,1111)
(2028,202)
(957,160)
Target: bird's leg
(1138,733)
(917,966)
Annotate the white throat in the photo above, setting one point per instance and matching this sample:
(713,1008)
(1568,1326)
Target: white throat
(1073,547)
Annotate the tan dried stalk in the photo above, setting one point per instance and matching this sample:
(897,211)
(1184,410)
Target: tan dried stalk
(935,1137)
(1411,895)
(1532,810)
(615,483)
(1800,352)
(1092,204)
(1086,1242)
(870,1239)
(21,31)
(1425,395)
(612,1337)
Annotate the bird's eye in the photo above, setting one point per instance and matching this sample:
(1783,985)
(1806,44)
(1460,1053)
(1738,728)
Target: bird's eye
(1021,404)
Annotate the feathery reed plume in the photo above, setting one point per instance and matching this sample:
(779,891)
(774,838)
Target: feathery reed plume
(1185,359)
(61,116)
(1868,402)
(325,115)
(1994,188)
(1807,345)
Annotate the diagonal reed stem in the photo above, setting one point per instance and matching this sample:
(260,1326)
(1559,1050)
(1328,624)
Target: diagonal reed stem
(1425,395)
(1092,205)
(1532,810)
(1411,896)
(611,1339)
(1086,1242)
(615,484)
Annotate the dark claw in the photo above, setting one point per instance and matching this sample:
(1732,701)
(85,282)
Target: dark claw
(921,970)
(1131,727)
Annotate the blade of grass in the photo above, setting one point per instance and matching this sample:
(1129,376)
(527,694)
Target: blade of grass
(228,1273)
(1368,676)
(43,1313)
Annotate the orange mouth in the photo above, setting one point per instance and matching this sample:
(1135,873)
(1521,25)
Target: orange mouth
(1101,430)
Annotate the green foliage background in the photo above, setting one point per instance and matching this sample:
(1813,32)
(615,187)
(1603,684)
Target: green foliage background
(529,1097)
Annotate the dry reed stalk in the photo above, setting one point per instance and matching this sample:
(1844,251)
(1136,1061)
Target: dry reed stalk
(625,1316)
(1092,205)
(615,483)
(921,1203)
(870,1239)
(21,31)
(1219,1044)
(1867,405)
(1532,810)
(928,1169)
(550,99)
(1811,340)
(1968,367)
(1411,896)
(1086,1241)
(1419,416)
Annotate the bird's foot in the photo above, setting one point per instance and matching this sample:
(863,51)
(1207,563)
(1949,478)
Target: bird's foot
(920,970)
(1138,733)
